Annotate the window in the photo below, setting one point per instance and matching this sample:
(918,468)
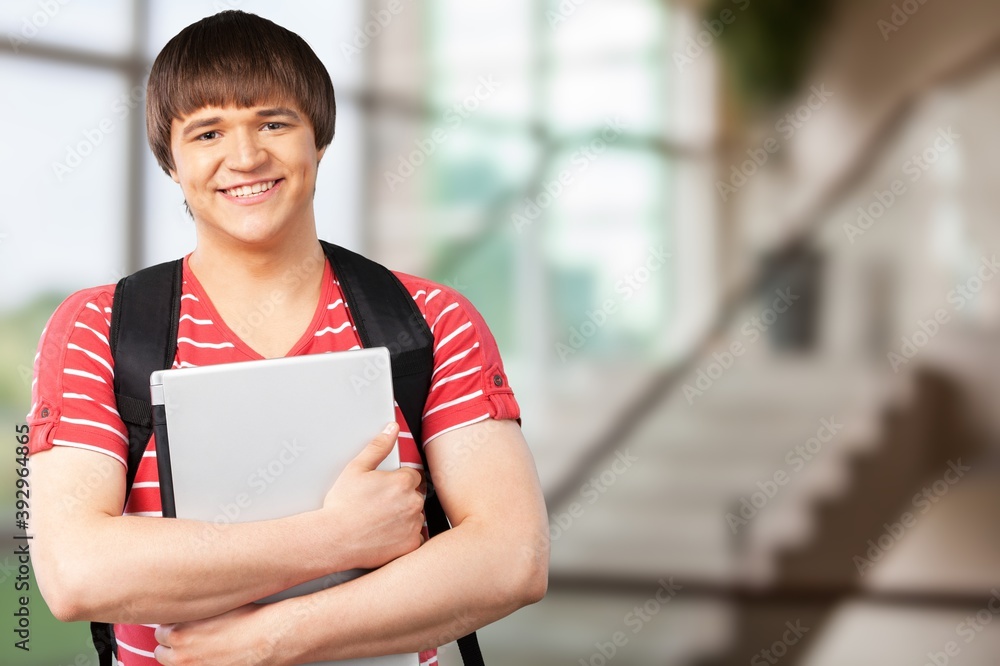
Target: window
(551,180)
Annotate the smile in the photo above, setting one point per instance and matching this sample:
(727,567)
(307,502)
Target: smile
(249,191)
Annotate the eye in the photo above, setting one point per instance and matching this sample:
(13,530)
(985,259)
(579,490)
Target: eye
(208,136)
(274,126)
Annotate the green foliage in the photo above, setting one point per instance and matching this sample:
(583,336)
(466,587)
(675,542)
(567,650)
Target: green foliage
(19,333)
(768,47)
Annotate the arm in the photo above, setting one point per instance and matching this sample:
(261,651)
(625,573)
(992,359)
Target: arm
(181,569)
(493,561)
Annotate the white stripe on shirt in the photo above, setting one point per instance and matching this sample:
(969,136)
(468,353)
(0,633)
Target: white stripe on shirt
(134,650)
(206,345)
(459,375)
(451,335)
(88,447)
(456,427)
(457,357)
(332,330)
(95,424)
(81,373)
(91,354)
(464,398)
(103,338)
(443,313)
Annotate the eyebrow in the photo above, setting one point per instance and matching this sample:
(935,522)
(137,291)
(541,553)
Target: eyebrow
(198,124)
(279,111)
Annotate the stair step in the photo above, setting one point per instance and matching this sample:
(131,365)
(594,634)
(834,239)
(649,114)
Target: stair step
(565,627)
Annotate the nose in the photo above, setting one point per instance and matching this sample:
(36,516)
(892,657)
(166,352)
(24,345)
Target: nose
(245,151)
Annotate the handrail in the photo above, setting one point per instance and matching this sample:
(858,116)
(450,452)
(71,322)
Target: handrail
(811,594)
(810,223)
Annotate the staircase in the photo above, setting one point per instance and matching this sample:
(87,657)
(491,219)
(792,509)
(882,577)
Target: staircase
(666,505)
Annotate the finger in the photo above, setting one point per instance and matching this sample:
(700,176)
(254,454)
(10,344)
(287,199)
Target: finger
(377,449)
(416,478)
(162,634)
(162,654)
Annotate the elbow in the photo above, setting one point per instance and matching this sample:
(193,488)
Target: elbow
(531,581)
(62,595)
(70,584)
(64,607)
(535,586)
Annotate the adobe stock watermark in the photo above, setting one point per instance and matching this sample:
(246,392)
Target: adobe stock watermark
(459,625)
(968,629)
(458,113)
(695,46)
(753,329)
(914,168)
(34,24)
(928,329)
(472,440)
(592,490)
(94,136)
(900,16)
(740,174)
(375,368)
(635,621)
(258,482)
(371,30)
(779,648)
(796,458)
(86,485)
(563,12)
(581,159)
(922,502)
(265,308)
(628,286)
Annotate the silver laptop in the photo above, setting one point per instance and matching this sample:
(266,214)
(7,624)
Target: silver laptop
(265,439)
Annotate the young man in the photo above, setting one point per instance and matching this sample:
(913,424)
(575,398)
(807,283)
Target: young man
(240,112)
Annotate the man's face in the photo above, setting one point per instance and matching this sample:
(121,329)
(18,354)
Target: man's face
(248,174)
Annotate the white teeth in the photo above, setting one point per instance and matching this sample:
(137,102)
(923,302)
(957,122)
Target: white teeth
(249,190)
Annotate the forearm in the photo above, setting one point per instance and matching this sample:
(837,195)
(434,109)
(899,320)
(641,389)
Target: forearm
(151,570)
(92,563)
(457,582)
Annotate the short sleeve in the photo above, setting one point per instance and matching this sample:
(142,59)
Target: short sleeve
(469,383)
(72,395)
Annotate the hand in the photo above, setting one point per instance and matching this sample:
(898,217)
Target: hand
(379,512)
(244,636)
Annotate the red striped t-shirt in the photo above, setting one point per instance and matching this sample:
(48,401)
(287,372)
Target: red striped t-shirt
(73,402)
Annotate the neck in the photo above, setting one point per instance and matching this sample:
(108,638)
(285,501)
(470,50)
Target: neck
(241,272)
(255,264)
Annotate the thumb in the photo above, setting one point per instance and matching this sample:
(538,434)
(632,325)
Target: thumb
(377,449)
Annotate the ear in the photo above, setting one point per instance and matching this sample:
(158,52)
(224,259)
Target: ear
(173,174)
(321,152)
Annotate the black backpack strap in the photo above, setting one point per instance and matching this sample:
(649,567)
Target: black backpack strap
(144,318)
(386,316)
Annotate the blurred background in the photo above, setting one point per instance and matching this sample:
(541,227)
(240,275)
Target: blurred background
(740,257)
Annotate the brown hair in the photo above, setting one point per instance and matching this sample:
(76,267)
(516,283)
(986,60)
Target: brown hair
(239,59)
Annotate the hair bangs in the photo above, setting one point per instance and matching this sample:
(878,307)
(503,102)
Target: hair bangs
(236,59)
